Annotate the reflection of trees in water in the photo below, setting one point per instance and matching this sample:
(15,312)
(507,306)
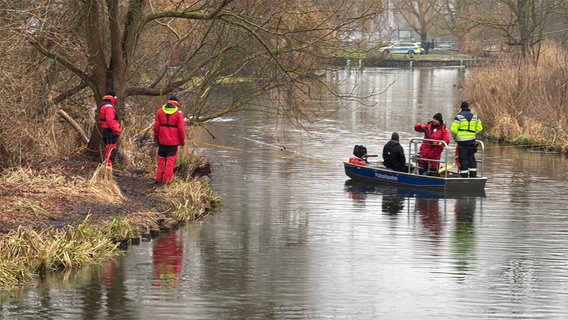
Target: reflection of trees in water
(464,234)
(392,204)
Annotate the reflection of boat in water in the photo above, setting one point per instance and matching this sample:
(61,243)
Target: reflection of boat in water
(446,182)
(352,185)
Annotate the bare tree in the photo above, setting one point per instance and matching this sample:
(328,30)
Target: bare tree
(521,23)
(457,20)
(187,47)
(526,27)
(421,15)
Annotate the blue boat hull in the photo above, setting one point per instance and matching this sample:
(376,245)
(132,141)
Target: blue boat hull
(447,184)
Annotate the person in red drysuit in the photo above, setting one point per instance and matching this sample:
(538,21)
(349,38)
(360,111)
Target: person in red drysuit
(434,130)
(169,133)
(108,119)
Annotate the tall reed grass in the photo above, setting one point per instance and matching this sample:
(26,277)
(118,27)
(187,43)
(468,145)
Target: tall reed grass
(191,200)
(25,252)
(523,102)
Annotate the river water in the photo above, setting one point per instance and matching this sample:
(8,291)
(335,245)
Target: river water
(297,240)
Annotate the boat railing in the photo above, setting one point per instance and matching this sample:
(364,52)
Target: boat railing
(415,157)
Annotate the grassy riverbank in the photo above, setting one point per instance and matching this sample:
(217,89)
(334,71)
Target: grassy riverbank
(64,217)
(524,102)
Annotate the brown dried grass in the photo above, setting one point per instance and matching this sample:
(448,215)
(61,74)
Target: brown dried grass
(523,102)
(102,184)
(192,199)
(25,252)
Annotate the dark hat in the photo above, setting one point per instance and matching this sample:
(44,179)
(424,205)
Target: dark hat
(438,116)
(111,93)
(173,98)
(465,105)
(394,136)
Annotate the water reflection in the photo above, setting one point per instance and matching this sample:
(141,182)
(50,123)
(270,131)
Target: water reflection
(463,240)
(393,204)
(430,207)
(109,295)
(429,211)
(94,292)
(167,259)
(393,198)
(356,192)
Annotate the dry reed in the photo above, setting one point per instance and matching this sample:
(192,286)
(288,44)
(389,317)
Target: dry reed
(192,199)
(103,184)
(25,252)
(523,102)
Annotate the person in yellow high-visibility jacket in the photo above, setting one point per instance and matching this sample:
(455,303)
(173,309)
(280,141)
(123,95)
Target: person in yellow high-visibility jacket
(465,128)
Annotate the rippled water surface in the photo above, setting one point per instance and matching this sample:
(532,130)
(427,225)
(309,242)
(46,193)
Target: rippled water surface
(297,240)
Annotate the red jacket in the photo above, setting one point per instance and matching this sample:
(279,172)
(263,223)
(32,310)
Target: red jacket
(432,150)
(169,127)
(108,116)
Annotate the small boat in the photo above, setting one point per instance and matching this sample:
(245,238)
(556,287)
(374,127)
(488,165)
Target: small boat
(445,180)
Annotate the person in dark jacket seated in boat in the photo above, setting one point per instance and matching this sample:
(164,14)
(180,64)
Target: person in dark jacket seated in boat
(393,154)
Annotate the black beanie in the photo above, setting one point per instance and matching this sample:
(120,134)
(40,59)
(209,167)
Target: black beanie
(394,136)
(111,93)
(465,105)
(173,98)
(438,116)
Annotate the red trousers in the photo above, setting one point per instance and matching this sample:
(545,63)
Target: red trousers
(109,154)
(165,172)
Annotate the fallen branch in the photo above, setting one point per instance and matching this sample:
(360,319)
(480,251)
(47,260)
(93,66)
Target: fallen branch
(75,125)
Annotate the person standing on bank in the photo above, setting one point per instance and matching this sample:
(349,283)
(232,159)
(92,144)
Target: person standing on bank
(432,150)
(393,154)
(169,133)
(108,119)
(465,128)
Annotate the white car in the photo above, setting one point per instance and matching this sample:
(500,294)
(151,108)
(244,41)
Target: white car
(402,48)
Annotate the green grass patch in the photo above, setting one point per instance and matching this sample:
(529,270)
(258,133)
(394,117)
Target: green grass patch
(26,253)
(120,230)
(523,140)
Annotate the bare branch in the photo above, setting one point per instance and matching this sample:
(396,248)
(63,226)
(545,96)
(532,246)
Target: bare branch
(68,64)
(74,124)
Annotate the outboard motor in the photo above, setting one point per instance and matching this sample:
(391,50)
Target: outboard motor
(360,152)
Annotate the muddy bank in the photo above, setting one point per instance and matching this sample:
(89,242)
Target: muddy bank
(46,199)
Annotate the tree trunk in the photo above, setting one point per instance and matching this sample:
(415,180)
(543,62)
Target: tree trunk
(96,146)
